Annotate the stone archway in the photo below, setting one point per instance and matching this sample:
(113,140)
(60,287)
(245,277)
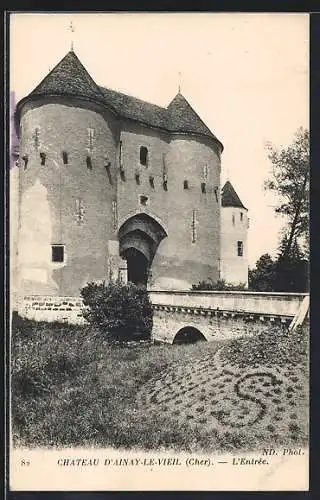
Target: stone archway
(139,238)
(188,335)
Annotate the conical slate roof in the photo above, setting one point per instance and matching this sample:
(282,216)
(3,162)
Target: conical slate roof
(229,197)
(183,118)
(70,78)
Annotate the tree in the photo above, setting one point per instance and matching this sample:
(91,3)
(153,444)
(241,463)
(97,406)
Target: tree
(263,277)
(290,180)
(291,268)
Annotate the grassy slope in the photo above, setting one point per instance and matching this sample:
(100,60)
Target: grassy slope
(70,387)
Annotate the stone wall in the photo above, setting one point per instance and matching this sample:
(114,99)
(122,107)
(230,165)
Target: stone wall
(276,304)
(213,326)
(42,308)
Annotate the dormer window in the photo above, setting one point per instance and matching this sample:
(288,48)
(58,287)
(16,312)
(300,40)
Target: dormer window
(185,184)
(144,156)
(65,157)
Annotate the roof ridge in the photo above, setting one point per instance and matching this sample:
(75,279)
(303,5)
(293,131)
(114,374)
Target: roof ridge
(132,97)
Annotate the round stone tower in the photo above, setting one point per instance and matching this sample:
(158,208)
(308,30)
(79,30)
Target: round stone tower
(234,237)
(67,182)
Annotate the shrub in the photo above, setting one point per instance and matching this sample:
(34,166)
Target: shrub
(218,285)
(122,311)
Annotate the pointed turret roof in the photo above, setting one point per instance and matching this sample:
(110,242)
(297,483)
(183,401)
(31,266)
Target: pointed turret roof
(183,118)
(229,197)
(69,77)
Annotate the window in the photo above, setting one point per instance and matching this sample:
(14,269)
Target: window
(25,159)
(144,156)
(151,181)
(43,158)
(203,187)
(241,216)
(89,162)
(143,200)
(185,184)
(216,193)
(65,157)
(165,184)
(233,219)
(137,176)
(240,248)
(57,253)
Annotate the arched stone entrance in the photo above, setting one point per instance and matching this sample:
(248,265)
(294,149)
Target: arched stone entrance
(188,335)
(139,238)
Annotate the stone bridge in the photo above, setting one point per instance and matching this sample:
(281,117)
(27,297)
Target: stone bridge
(187,316)
(194,315)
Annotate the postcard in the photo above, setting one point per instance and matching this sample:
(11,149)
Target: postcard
(159,251)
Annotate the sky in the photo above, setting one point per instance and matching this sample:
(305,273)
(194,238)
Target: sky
(246,75)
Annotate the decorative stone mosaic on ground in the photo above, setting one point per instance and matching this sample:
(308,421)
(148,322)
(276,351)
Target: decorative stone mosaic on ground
(221,396)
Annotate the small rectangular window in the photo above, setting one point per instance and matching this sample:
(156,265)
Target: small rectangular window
(65,157)
(137,176)
(43,158)
(240,248)
(241,216)
(185,184)
(143,200)
(233,219)
(203,187)
(89,162)
(57,253)
(151,181)
(144,156)
(25,159)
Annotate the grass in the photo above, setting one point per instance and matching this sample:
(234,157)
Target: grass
(71,387)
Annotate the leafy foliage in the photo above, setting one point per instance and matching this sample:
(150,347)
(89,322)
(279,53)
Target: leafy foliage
(290,180)
(263,277)
(220,284)
(120,310)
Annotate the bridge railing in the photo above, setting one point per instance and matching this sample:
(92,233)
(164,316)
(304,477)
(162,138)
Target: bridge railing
(277,304)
